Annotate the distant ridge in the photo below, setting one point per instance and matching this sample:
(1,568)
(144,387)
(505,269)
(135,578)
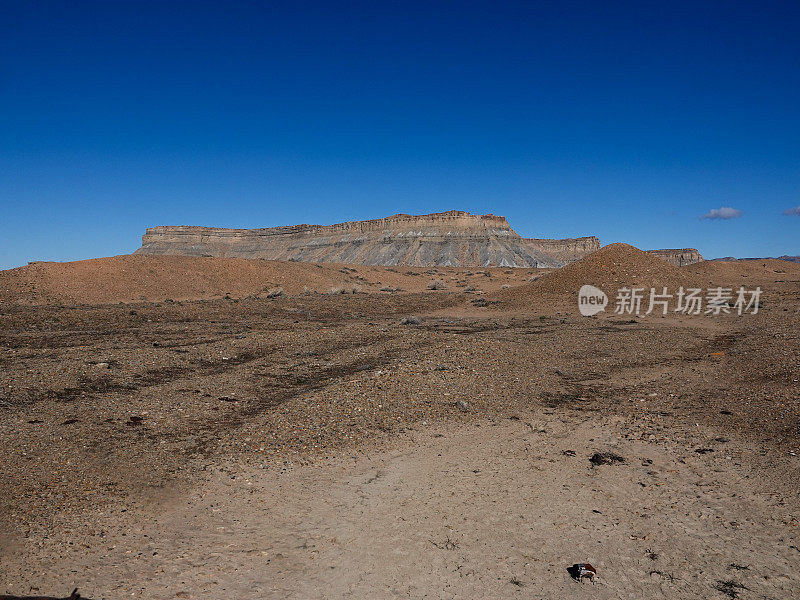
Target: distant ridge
(794,259)
(452,238)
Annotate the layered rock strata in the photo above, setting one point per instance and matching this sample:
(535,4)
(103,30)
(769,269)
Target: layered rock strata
(453,238)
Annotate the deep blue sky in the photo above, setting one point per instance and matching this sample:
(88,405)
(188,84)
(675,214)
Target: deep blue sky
(627,120)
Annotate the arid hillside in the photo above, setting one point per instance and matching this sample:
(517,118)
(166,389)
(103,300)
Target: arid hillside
(136,278)
(745,272)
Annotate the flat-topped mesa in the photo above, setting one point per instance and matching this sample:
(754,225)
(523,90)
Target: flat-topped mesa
(453,238)
(457,222)
(568,250)
(679,257)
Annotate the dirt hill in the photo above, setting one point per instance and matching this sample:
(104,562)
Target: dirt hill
(610,268)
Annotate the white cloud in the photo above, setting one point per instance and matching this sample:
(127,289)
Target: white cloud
(792,211)
(725,212)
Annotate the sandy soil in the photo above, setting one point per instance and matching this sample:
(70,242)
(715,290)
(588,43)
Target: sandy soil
(493,510)
(313,447)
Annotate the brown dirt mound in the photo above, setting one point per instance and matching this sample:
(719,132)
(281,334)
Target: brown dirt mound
(610,268)
(137,278)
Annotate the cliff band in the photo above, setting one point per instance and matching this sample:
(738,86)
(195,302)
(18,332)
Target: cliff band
(453,238)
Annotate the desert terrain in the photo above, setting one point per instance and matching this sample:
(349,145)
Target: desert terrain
(190,427)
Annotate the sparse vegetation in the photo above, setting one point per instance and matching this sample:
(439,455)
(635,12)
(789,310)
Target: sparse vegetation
(729,587)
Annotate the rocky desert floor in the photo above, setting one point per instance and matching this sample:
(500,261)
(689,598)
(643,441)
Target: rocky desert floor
(321,446)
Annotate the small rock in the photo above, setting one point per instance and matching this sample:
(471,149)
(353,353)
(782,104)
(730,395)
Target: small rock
(581,571)
(605,458)
(462,406)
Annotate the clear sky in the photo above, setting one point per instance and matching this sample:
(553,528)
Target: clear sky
(625,120)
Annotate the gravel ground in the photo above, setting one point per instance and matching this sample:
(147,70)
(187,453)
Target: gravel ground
(113,415)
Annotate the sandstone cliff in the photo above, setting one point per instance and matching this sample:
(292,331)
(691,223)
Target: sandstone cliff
(678,257)
(453,238)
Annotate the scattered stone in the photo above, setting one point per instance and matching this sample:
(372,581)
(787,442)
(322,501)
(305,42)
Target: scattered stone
(462,406)
(605,458)
(581,571)
(410,321)
(73,596)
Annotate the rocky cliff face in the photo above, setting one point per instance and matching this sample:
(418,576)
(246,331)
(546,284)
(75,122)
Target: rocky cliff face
(451,238)
(679,258)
